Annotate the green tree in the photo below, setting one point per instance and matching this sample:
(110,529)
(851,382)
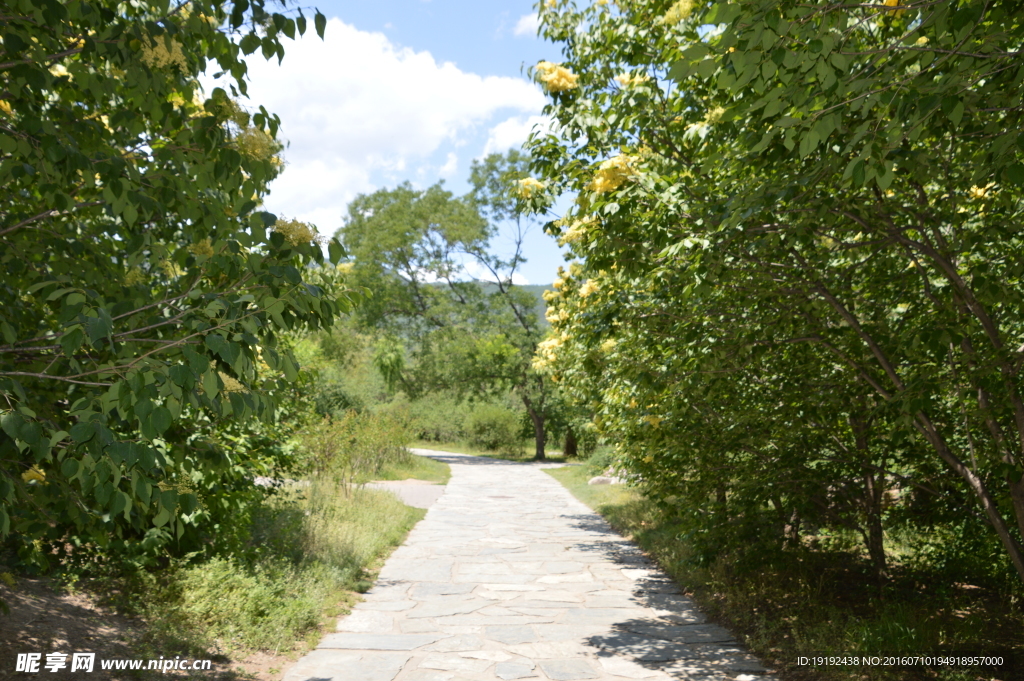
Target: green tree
(411,249)
(845,177)
(142,296)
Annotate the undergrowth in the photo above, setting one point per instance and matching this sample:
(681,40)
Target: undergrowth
(311,546)
(805,602)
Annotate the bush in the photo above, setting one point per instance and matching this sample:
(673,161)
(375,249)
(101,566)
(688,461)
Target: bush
(437,418)
(495,428)
(353,447)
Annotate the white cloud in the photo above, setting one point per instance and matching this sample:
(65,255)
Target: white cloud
(512,132)
(359,111)
(451,165)
(527,25)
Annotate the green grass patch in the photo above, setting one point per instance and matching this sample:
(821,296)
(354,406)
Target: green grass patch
(802,602)
(464,447)
(416,468)
(313,548)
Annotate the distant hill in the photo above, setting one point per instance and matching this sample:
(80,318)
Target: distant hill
(538,292)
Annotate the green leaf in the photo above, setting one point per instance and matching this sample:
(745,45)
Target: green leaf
(320,22)
(121,503)
(809,142)
(249,43)
(71,341)
(162,517)
(98,328)
(12,424)
(69,469)
(335,251)
(1015,174)
(160,419)
(858,173)
(82,432)
(211,384)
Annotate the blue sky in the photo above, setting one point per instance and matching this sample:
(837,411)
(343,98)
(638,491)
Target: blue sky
(403,90)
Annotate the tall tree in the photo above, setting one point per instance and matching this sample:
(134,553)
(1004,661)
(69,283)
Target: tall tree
(842,176)
(426,257)
(141,292)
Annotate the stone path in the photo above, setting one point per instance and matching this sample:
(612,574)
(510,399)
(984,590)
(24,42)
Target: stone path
(417,493)
(510,577)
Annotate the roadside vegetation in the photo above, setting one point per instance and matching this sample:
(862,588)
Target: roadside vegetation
(820,597)
(793,316)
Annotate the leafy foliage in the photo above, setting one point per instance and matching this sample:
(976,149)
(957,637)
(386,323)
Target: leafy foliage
(442,328)
(143,300)
(799,232)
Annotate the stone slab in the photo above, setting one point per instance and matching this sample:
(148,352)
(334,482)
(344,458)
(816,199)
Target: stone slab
(377,641)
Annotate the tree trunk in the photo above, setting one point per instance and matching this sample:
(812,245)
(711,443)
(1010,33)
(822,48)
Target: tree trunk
(874,489)
(873,503)
(539,433)
(571,449)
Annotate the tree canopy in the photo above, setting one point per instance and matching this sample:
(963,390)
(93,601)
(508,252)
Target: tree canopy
(144,295)
(441,294)
(798,230)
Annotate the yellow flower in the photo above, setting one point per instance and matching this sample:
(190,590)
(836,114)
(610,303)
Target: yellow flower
(551,4)
(589,287)
(166,52)
(601,3)
(977,192)
(714,115)
(171,269)
(134,276)
(680,11)
(34,475)
(923,40)
(612,174)
(256,144)
(528,186)
(346,267)
(201,248)
(548,296)
(296,232)
(555,77)
(608,345)
(577,230)
(59,71)
(231,384)
(554,315)
(546,353)
(627,80)
(5,106)
(649,458)
(653,420)
(894,4)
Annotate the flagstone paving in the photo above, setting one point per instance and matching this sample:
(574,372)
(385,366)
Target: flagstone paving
(510,577)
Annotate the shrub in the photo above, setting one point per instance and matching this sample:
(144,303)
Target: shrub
(495,428)
(353,446)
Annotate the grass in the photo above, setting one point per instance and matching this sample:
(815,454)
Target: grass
(466,448)
(313,548)
(805,602)
(417,468)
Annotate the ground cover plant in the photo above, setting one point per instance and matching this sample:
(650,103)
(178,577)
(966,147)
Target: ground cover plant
(787,604)
(303,554)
